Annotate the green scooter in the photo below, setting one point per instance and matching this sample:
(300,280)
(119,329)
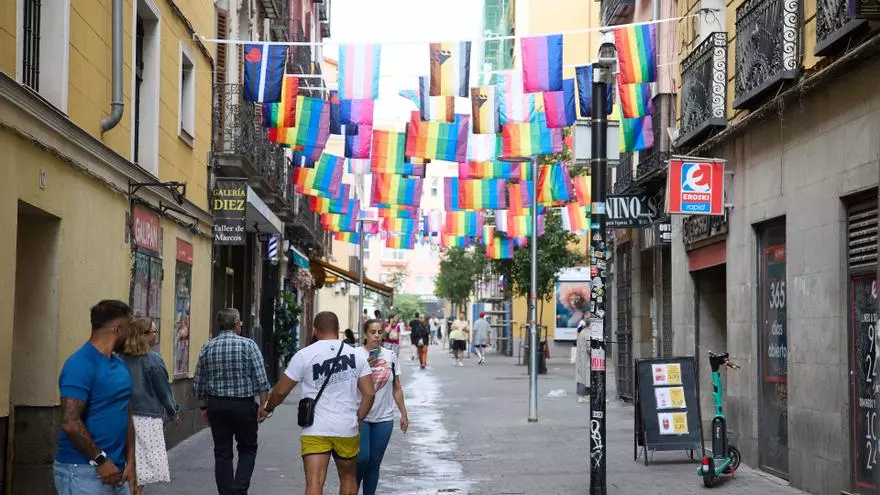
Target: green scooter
(726,457)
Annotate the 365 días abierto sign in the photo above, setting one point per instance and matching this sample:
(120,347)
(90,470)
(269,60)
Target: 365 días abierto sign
(229,202)
(695,186)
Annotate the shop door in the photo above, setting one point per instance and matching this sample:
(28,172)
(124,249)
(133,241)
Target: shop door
(624,333)
(863,340)
(773,343)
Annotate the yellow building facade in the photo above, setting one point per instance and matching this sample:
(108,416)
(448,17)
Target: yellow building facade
(69,229)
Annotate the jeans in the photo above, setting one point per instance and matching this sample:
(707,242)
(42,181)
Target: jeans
(83,479)
(233,418)
(374,441)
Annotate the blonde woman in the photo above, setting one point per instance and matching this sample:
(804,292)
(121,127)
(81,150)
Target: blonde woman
(151,400)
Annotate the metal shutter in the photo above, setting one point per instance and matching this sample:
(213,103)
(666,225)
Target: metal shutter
(861,235)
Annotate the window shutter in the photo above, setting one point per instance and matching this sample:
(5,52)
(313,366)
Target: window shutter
(861,238)
(222,33)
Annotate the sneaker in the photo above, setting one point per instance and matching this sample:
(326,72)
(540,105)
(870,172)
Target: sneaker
(461,364)
(481,361)
(582,399)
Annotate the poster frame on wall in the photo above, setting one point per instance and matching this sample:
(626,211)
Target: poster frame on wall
(145,295)
(569,277)
(182,309)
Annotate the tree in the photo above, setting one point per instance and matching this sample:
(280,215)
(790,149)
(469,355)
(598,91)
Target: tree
(458,271)
(407,305)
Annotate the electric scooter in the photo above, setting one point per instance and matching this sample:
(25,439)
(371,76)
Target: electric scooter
(725,457)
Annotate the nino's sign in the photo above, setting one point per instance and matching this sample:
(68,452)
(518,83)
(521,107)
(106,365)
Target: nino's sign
(695,186)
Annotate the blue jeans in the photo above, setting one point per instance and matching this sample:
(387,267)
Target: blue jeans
(374,441)
(83,479)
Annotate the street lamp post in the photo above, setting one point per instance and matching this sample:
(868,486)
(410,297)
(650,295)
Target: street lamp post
(361,240)
(602,74)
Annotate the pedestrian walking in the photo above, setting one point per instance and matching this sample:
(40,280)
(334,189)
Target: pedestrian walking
(392,336)
(482,337)
(444,332)
(459,336)
(434,326)
(229,374)
(96,443)
(151,401)
(582,363)
(338,393)
(377,426)
(420,340)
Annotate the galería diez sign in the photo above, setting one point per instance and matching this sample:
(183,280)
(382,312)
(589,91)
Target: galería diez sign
(626,211)
(228,202)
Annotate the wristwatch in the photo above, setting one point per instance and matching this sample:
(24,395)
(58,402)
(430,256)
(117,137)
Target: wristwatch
(100,459)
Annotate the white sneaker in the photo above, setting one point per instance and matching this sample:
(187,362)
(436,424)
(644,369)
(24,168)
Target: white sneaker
(461,364)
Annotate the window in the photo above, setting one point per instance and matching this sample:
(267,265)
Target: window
(390,254)
(187,97)
(43,48)
(145,87)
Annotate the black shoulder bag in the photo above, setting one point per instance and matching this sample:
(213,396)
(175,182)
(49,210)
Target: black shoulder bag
(306,411)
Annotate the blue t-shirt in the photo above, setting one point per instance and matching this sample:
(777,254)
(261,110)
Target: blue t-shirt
(105,385)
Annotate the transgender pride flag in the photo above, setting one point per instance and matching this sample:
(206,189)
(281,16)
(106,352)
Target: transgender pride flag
(359,72)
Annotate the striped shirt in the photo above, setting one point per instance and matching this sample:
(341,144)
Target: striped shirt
(230,366)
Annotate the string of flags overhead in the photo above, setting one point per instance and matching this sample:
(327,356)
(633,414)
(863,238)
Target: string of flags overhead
(521,113)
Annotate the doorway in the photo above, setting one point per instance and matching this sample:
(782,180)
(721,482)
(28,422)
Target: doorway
(710,318)
(35,351)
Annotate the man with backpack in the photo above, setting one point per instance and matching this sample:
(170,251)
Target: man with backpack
(420,338)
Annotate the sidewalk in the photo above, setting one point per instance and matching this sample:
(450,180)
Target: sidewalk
(469,435)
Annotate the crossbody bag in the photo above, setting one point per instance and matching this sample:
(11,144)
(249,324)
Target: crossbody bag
(306,411)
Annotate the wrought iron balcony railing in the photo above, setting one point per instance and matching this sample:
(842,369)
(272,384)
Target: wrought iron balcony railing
(650,163)
(699,230)
(624,173)
(767,48)
(272,9)
(704,89)
(616,11)
(834,26)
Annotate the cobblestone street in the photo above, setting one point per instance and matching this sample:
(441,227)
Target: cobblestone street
(469,435)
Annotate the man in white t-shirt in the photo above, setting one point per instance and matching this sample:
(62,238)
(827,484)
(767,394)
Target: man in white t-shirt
(434,325)
(342,407)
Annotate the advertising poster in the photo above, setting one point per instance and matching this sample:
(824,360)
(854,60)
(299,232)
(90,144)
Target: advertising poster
(666,374)
(670,398)
(182,301)
(572,302)
(673,423)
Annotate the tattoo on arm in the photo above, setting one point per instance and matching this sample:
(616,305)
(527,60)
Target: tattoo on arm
(73,426)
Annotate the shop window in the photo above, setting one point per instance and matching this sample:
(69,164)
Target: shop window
(182,306)
(146,286)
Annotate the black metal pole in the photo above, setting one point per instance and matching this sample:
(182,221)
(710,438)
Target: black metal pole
(598,273)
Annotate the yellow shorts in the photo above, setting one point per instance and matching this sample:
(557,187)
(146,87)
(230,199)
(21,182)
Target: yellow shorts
(341,447)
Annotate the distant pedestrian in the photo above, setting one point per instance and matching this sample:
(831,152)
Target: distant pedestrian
(365,317)
(434,325)
(582,362)
(377,314)
(151,400)
(459,337)
(377,426)
(392,336)
(96,444)
(482,337)
(229,374)
(349,336)
(338,394)
(444,331)
(420,340)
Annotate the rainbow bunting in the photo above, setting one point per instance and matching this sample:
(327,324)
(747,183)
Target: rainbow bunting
(359,71)
(636,134)
(582,187)
(401,242)
(488,233)
(636,53)
(438,140)
(521,225)
(449,241)
(527,139)
(584,76)
(635,100)
(485,109)
(349,237)
(554,184)
(559,106)
(324,180)
(474,194)
(574,218)
(319,204)
(499,248)
(494,170)
(441,109)
(387,153)
(283,113)
(520,197)
(400,225)
(312,122)
(358,145)
(542,63)
(483,147)
(450,68)
(463,223)
(398,212)
(391,189)
(333,222)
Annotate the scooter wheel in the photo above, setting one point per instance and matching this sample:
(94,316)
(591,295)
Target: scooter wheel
(708,481)
(735,459)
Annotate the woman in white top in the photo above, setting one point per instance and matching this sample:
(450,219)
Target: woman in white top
(377,426)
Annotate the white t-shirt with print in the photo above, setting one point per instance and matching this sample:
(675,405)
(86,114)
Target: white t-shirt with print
(336,411)
(383,406)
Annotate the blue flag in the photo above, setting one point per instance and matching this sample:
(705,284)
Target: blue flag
(585,90)
(263,72)
(338,126)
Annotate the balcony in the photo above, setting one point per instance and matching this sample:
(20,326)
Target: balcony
(305,229)
(651,164)
(272,8)
(702,230)
(624,173)
(835,26)
(704,90)
(767,48)
(617,11)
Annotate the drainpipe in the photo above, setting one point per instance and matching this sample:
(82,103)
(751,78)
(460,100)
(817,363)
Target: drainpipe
(116,102)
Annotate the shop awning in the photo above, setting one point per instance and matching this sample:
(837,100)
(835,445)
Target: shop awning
(299,259)
(372,285)
(258,217)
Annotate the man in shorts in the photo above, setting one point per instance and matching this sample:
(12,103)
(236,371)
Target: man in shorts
(339,411)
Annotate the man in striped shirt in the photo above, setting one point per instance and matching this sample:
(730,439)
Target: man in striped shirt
(229,375)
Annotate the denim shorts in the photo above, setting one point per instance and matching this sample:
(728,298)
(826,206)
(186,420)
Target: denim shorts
(83,479)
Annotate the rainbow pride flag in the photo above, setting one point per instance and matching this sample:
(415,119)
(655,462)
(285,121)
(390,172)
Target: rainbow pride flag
(485,110)
(319,204)
(401,241)
(450,68)
(283,113)
(582,187)
(398,212)
(574,218)
(358,145)
(483,147)
(488,233)
(520,225)
(519,197)
(474,194)
(528,139)
(391,189)
(554,184)
(387,154)
(636,53)
(324,180)
(438,140)
(400,225)
(636,134)
(542,63)
(349,237)
(333,222)
(359,71)
(464,223)
(494,170)
(559,106)
(312,122)
(635,99)
(499,248)
(449,241)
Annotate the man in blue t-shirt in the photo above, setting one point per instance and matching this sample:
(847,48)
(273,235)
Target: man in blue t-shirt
(96,441)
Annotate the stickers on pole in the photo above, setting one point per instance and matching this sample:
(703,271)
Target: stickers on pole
(597,359)
(597,329)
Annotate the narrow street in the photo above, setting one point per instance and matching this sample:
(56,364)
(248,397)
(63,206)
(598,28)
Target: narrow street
(469,435)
